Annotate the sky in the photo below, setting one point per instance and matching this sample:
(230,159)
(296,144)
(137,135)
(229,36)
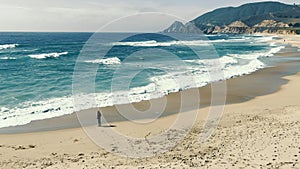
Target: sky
(93,15)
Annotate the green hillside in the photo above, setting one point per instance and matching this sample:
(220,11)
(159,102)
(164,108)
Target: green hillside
(250,14)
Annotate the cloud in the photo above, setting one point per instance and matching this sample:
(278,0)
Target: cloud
(148,10)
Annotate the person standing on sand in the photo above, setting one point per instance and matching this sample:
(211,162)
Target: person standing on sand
(99,115)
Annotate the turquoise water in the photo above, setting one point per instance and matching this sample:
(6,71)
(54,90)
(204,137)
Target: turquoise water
(36,69)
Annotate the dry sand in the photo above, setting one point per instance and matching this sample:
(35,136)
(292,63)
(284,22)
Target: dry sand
(290,39)
(263,132)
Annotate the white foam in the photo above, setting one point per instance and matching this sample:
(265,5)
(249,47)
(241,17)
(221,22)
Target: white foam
(273,44)
(47,55)
(213,35)
(197,76)
(8,46)
(144,89)
(256,55)
(30,111)
(8,58)
(106,61)
(223,61)
(154,43)
(265,38)
(55,107)
(239,70)
(4,109)
(30,50)
(274,50)
(167,83)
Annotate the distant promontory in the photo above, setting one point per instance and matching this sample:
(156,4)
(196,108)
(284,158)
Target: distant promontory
(261,17)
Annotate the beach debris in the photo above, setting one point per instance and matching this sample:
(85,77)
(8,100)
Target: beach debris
(81,154)
(147,135)
(48,110)
(20,147)
(31,146)
(46,163)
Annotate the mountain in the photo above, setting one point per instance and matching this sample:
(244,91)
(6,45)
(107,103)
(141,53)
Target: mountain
(181,28)
(277,16)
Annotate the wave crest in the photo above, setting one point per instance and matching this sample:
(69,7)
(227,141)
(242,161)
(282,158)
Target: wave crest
(154,43)
(106,61)
(8,46)
(8,58)
(47,55)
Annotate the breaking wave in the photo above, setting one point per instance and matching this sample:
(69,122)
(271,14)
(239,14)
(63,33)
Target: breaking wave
(106,61)
(47,55)
(8,46)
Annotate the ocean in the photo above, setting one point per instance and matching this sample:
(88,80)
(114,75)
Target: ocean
(37,69)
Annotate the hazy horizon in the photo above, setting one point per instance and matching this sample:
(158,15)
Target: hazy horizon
(90,15)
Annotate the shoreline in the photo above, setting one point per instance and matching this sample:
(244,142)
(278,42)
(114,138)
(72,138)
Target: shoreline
(259,129)
(234,96)
(234,87)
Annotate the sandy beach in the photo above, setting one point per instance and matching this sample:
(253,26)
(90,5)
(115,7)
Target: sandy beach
(259,129)
(291,39)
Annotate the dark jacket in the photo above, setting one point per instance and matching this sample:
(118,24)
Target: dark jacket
(99,115)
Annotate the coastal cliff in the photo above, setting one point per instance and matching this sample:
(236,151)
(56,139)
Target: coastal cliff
(262,17)
(266,26)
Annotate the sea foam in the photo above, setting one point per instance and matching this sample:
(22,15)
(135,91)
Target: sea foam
(154,43)
(8,46)
(8,58)
(47,55)
(106,61)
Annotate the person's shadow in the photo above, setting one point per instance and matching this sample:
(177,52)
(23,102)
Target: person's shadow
(109,125)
